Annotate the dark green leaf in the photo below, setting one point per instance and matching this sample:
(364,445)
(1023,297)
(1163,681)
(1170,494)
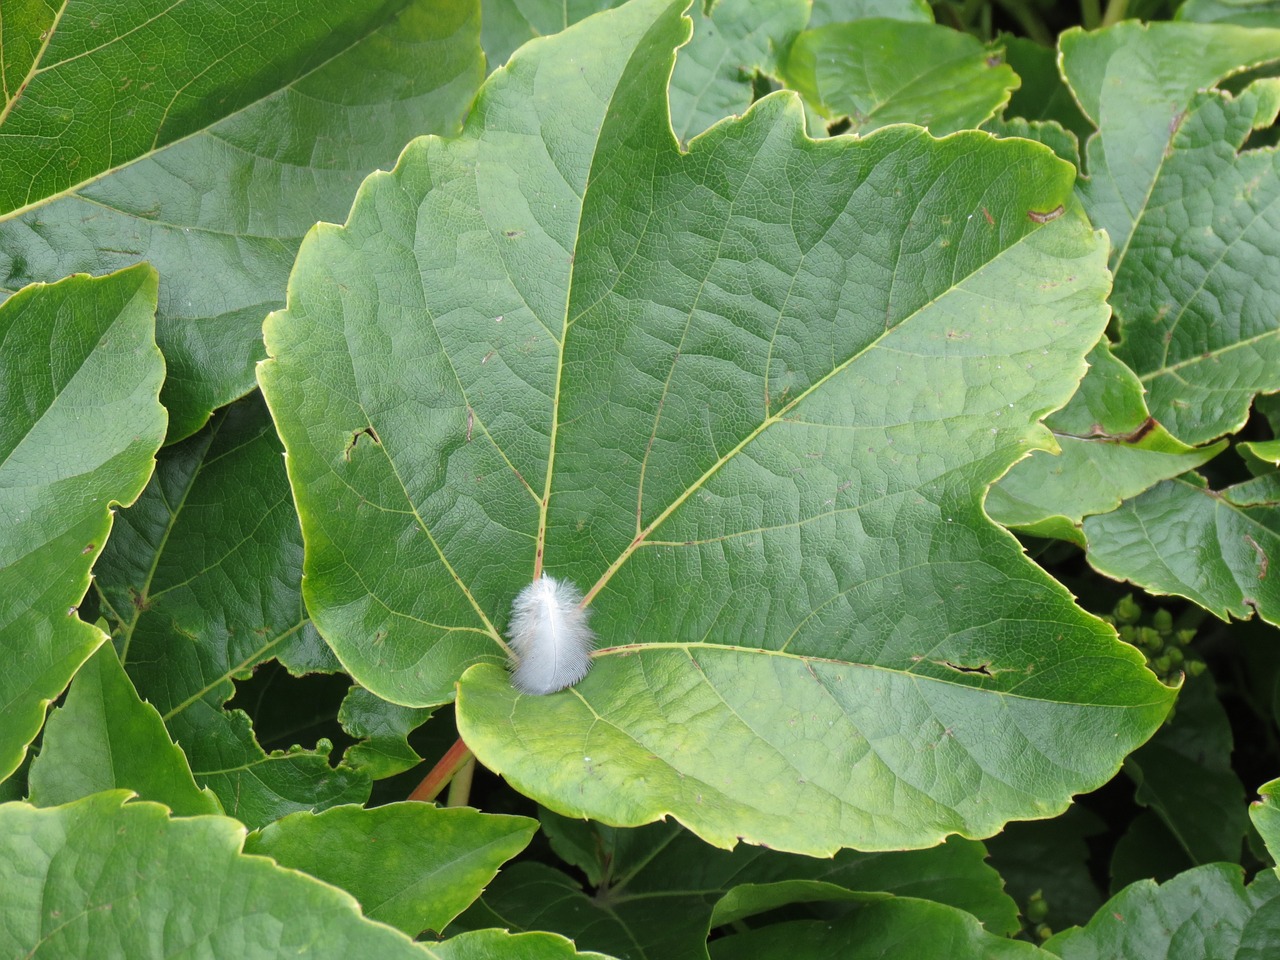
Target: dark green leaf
(1043,95)
(79,427)
(413,866)
(749,398)
(104,737)
(98,879)
(1205,912)
(202,583)
(206,137)
(896,927)
(1246,13)
(877,72)
(1184,774)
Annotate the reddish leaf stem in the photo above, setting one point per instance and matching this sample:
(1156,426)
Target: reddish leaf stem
(454,759)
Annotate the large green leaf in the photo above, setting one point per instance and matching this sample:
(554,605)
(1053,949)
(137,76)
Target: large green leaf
(1213,547)
(748,398)
(102,879)
(896,927)
(1246,13)
(842,11)
(206,137)
(1110,448)
(103,737)
(879,71)
(201,583)
(1192,219)
(413,866)
(658,889)
(79,427)
(1205,912)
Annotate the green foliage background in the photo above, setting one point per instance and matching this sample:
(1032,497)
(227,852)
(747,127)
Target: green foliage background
(895,380)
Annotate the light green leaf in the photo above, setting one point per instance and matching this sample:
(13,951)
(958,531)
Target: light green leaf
(842,11)
(1261,456)
(749,399)
(896,927)
(1265,814)
(1198,318)
(383,729)
(202,582)
(1205,912)
(1110,449)
(877,72)
(1246,13)
(104,737)
(1049,132)
(413,866)
(1184,774)
(712,76)
(658,889)
(206,137)
(500,945)
(1214,548)
(79,428)
(113,881)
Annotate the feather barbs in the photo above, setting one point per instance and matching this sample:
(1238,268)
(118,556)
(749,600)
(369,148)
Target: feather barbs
(550,640)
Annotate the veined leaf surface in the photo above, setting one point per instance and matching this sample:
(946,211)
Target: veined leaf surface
(748,398)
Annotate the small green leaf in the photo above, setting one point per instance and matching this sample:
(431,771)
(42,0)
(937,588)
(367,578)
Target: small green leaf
(206,136)
(413,866)
(877,72)
(1265,814)
(202,583)
(104,737)
(79,426)
(896,927)
(1234,536)
(113,881)
(1205,912)
(1200,318)
(1110,449)
(383,729)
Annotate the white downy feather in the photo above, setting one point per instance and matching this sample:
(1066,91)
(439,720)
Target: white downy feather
(550,640)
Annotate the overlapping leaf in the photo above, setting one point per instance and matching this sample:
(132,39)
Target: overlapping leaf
(201,584)
(748,398)
(98,878)
(206,137)
(659,889)
(1192,217)
(79,427)
(1205,912)
(1110,448)
(1266,818)
(413,866)
(879,71)
(1213,547)
(104,738)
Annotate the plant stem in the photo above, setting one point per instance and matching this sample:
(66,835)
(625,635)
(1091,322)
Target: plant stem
(1090,14)
(460,785)
(1027,19)
(1116,10)
(454,759)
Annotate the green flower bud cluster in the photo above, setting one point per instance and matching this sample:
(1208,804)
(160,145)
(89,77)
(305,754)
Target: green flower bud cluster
(1037,912)
(1165,648)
